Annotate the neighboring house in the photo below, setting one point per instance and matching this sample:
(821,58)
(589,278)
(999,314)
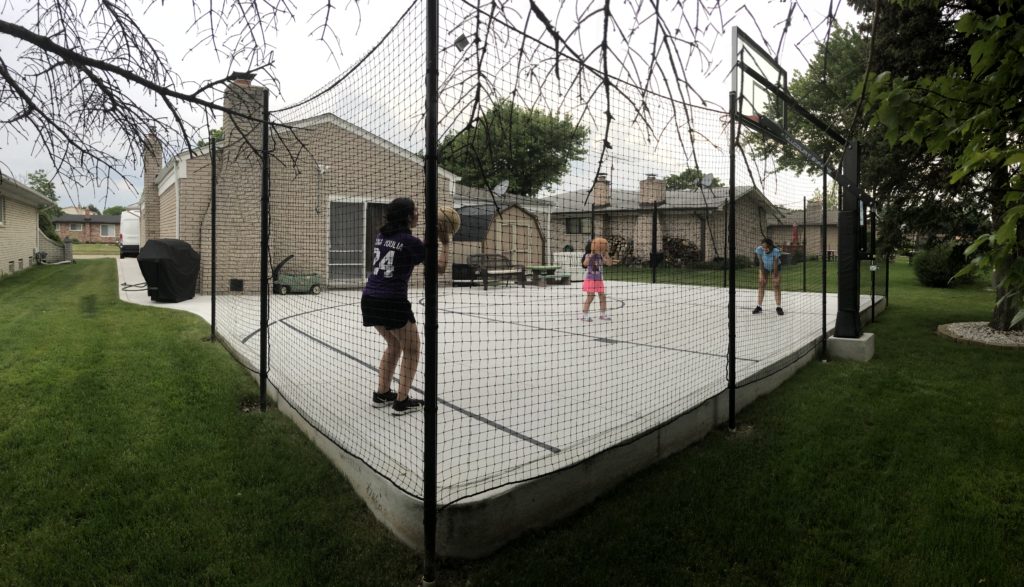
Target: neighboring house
(330,182)
(793,220)
(486,224)
(697,215)
(76,210)
(19,225)
(508,230)
(88,228)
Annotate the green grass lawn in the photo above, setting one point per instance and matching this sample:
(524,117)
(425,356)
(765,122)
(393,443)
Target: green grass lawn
(95,249)
(125,459)
(795,277)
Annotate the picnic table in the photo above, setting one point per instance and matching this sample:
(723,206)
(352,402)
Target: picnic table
(544,273)
(494,266)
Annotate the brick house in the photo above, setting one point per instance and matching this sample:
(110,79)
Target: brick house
(330,182)
(696,215)
(88,227)
(782,231)
(19,225)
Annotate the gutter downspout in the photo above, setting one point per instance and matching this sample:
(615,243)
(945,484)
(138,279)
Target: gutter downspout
(177,200)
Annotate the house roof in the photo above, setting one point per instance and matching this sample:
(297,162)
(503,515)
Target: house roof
(376,140)
(791,217)
(621,200)
(313,121)
(467,195)
(97,218)
(15,190)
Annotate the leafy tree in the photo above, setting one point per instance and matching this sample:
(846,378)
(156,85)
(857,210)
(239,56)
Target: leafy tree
(973,113)
(217,133)
(831,199)
(40,181)
(909,184)
(113,210)
(530,148)
(92,208)
(689,179)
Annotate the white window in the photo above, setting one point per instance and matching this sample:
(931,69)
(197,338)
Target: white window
(75,227)
(3,204)
(107,230)
(577,225)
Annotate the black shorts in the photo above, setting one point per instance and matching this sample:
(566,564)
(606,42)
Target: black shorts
(387,313)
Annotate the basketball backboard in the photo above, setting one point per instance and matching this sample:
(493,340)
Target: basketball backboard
(757,79)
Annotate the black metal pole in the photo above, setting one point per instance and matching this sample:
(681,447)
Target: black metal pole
(654,244)
(264,251)
(803,231)
(213,238)
(874,262)
(888,253)
(824,263)
(732,260)
(430,324)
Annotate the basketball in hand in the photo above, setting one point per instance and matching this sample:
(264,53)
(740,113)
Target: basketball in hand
(448,222)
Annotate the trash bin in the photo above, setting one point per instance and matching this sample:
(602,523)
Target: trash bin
(171,268)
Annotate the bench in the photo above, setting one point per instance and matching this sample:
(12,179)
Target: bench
(489,267)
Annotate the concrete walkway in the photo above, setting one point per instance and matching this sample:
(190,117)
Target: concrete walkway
(132,289)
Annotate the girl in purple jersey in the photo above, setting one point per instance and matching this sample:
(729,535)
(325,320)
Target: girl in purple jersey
(385,302)
(593,282)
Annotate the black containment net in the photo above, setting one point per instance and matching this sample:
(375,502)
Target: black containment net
(583,293)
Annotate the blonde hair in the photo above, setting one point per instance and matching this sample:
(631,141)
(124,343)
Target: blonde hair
(599,245)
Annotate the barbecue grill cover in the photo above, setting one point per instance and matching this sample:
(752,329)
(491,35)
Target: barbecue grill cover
(171,268)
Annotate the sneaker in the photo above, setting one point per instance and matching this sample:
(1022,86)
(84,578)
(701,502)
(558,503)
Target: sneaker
(778,310)
(406,406)
(586,318)
(757,310)
(603,317)
(383,400)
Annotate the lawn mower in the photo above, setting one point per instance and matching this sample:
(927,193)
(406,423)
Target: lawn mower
(286,283)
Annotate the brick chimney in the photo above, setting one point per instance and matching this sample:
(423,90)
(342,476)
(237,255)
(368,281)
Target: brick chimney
(244,104)
(652,191)
(152,162)
(602,191)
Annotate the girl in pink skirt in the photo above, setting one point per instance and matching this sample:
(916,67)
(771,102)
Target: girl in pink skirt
(593,283)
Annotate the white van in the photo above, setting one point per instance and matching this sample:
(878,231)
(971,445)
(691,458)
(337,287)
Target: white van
(128,240)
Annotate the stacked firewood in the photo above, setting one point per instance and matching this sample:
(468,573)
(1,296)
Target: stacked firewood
(679,252)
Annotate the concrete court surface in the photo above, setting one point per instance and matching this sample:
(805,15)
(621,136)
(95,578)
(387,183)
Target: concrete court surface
(526,389)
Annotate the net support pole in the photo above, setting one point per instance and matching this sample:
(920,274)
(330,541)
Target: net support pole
(213,238)
(654,244)
(848,306)
(430,284)
(874,263)
(264,250)
(824,262)
(804,232)
(732,260)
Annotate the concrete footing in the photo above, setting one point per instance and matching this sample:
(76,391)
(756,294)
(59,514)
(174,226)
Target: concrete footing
(852,349)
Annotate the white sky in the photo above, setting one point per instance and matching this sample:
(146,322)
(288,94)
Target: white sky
(303,64)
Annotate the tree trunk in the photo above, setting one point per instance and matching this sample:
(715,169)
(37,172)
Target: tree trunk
(1005,310)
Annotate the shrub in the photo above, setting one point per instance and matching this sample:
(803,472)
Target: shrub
(935,267)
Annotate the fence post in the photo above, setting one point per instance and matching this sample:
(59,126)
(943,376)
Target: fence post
(213,238)
(731,247)
(824,262)
(430,324)
(264,250)
(804,232)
